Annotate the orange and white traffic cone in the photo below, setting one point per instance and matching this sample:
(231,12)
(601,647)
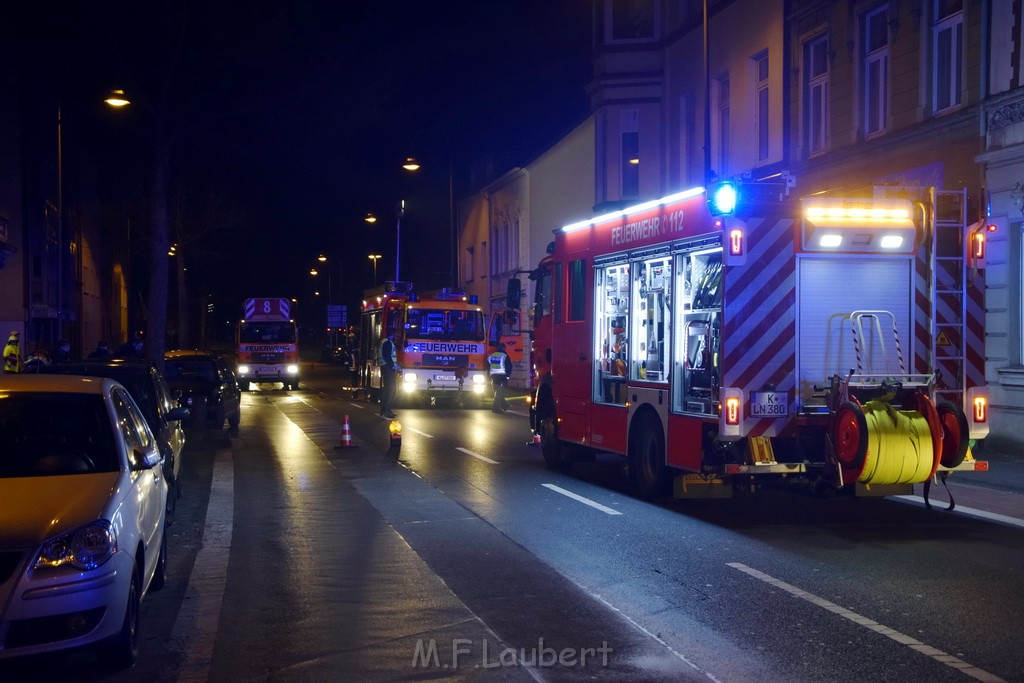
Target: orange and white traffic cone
(346,436)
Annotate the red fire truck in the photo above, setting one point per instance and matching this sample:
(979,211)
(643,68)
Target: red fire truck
(736,335)
(267,342)
(439,340)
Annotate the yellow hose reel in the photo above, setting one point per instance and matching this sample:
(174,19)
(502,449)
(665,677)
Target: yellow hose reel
(878,443)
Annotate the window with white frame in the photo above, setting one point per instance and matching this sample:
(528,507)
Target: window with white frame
(723,124)
(947,54)
(816,94)
(763,126)
(875,72)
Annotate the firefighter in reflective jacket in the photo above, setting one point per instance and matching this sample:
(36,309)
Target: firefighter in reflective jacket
(12,354)
(500,366)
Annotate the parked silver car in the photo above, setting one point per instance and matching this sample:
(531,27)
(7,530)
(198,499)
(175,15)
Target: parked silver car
(83,518)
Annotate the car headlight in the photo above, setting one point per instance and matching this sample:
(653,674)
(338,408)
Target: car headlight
(86,547)
(479,379)
(293,369)
(478,388)
(243,369)
(409,377)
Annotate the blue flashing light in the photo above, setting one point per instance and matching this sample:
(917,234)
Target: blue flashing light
(722,199)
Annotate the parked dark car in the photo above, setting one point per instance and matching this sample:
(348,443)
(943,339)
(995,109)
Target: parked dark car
(207,386)
(148,387)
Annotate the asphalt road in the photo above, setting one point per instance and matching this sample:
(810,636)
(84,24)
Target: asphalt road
(460,557)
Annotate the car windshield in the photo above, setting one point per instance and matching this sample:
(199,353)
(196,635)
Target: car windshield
(188,370)
(46,434)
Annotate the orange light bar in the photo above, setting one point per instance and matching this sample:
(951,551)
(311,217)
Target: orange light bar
(732,410)
(980,409)
(857,213)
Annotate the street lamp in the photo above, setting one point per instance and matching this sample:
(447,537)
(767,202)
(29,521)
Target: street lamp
(374,257)
(412,165)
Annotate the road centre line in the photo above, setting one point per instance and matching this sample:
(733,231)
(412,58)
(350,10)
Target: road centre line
(585,501)
(195,629)
(477,455)
(973,512)
(914,644)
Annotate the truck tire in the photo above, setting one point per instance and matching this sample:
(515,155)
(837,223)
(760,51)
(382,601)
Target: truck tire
(556,455)
(647,468)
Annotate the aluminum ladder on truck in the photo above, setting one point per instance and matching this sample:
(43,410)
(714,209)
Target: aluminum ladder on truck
(948,313)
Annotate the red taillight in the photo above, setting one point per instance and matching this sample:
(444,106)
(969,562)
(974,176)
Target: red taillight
(736,242)
(732,410)
(978,245)
(980,405)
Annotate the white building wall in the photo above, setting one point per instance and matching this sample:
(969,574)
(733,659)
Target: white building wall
(1003,163)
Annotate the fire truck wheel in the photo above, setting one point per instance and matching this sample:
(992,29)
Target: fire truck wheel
(647,461)
(954,434)
(850,436)
(555,455)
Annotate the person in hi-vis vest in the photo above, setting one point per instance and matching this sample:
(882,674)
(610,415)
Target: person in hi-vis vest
(500,366)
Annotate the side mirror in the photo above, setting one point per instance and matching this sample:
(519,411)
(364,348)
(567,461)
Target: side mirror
(146,459)
(513,294)
(178,414)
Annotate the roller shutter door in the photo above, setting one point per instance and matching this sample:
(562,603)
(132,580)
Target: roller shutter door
(829,289)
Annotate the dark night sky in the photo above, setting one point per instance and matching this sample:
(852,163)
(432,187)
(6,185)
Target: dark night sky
(295,117)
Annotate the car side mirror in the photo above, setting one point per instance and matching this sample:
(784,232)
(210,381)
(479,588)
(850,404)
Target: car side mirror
(513,294)
(146,459)
(178,414)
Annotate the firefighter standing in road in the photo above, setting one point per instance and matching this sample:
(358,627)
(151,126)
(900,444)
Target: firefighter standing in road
(388,375)
(12,354)
(500,366)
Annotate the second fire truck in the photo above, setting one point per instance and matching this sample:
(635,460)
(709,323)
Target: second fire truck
(730,337)
(439,340)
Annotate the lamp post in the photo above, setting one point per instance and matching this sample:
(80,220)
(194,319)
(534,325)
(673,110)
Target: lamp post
(374,258)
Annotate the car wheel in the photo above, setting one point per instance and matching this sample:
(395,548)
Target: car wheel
(160,575)
(123,649)
(198,415)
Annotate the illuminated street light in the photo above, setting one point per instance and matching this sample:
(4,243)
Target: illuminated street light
(370,218)
(411,164)
(117,98)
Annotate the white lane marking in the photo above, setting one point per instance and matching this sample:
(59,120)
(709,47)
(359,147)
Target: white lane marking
(477,455)
(357,405)
(973,512)
(585,501)
(656,637)
(195,629)
(914,644)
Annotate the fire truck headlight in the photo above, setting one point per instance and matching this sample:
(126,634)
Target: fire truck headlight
(479,379)
(830,240)
(243,369)
(478,388)
(293,369)
(891,241)
(409,377)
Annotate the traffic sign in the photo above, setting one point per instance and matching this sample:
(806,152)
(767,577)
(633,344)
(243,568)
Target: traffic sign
(335,316)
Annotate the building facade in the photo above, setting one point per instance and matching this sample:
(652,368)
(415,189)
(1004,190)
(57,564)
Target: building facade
(1003,165)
